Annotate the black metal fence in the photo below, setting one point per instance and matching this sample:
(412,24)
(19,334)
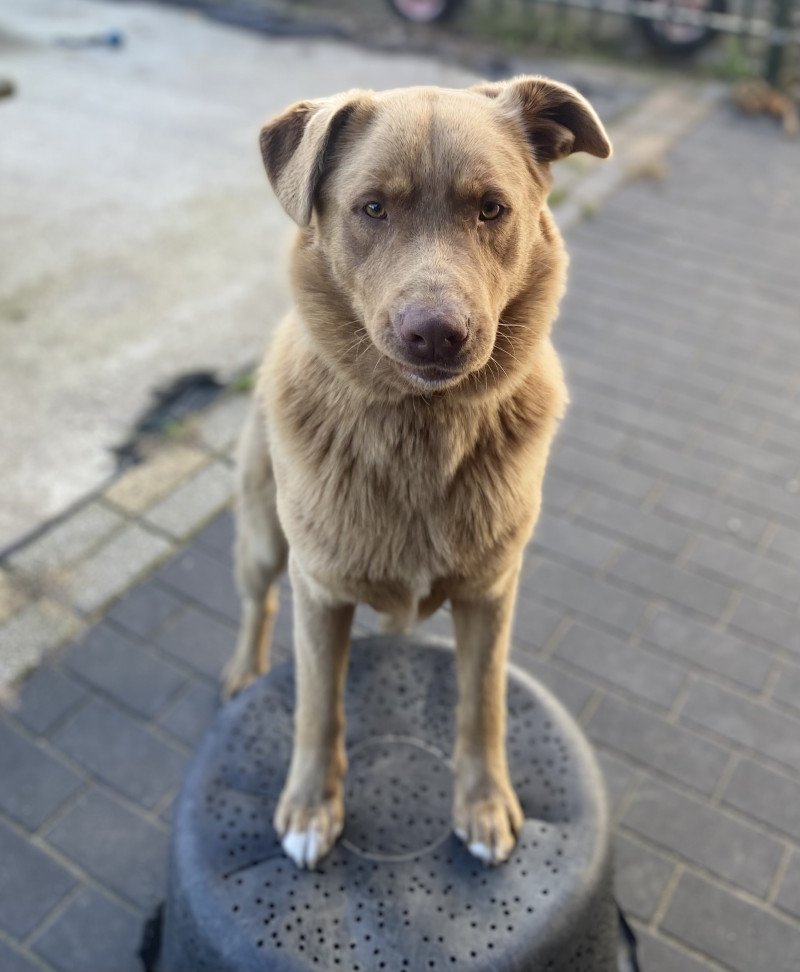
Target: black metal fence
(761,36)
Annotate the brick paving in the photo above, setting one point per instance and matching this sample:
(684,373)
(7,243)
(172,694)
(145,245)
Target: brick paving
(660,599)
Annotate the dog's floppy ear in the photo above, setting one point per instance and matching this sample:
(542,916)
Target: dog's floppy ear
(557,119)
(298,144)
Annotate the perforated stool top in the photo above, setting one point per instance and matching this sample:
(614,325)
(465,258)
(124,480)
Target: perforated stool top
(399,891)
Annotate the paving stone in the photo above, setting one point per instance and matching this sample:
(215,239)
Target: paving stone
(31,884)
(658,955)
(114,567)
(193,502)
(189,718)
(674,466)
(143,610)
(663,580)
(710,514)
(94,932)
(34,784)
(640,877)
(199,641)
(121,752)
(765,795)
(618,777)
(747,723)
(767,623)
(789,891)
(12,597)
(760,496)
(115,846)
(787,688)
(125,670)
(559,492)
(571,691)
(786,543)
(613,661)
(652,741)
(219,426)
(730,930)
(13,961)
(625,520)
(700,645)
(591,597)
(572,541)
(606,474)
(704,836)
(219,536)
(583,429)
(202,578)
(142,485)
(735,566)
(68,540)
(26,637)
(534,623)
(45,697)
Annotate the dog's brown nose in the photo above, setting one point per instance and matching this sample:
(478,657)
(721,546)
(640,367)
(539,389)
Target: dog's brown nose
(431,337)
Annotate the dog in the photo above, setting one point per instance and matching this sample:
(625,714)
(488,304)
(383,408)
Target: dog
(402,417)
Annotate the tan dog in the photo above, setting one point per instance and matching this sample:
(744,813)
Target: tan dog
(402,420)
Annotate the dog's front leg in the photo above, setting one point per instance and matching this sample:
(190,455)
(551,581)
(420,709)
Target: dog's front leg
(486,812)
(310,813)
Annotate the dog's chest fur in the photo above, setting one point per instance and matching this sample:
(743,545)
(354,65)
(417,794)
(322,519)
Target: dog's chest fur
(392,503)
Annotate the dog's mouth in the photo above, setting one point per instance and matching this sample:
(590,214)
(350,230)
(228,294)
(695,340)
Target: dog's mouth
(431,377)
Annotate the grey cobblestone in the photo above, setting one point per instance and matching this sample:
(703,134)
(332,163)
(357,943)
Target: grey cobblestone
(35,784)
(704,837)
(31,884)
(706,648)
(766,795)
(46,697)
(121,752)
(114,567)
(643,529)
(750,724)
(652,741)
(731,930)
(26,637)
(660,579)
(117,847)
(72,940)
(145,609)
(641,877)
(613,661)
(193,502)
(69,540)
(125,670)
(789,892)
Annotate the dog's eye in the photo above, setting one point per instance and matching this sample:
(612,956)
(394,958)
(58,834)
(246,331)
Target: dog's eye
(375,210)
(490,210)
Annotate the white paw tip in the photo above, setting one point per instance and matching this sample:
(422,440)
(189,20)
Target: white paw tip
(295,846)
(482,852)
(461,834)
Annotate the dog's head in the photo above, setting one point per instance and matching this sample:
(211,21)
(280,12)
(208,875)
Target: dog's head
(427,258)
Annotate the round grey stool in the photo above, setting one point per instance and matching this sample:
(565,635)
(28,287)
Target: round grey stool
(399,891)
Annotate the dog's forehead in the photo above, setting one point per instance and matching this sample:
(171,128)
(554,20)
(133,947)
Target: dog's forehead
(460,136)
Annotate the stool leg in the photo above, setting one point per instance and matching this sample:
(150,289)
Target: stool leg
(486,812)
(310,813)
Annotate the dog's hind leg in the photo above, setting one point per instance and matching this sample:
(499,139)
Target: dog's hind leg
(261,553)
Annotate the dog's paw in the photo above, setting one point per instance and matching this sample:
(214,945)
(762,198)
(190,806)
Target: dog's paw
(308,831)
(235,678)
(489,823)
